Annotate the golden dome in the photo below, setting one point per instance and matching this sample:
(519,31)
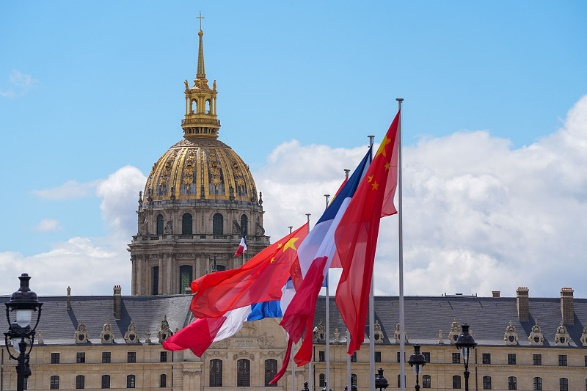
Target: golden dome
(200,168)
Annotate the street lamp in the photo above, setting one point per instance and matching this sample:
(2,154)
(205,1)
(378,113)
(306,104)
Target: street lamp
(465,342)
(305,386)
(417,361)
(22,304)
(380,381)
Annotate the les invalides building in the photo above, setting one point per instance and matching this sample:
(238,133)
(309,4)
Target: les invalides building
(199,200)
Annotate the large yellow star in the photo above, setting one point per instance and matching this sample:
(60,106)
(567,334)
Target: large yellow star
(374,186)
(290,244)
(382,147)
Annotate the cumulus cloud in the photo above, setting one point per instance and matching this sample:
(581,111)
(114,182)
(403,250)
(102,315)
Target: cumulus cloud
(20,84)
(48,225)
(68,191)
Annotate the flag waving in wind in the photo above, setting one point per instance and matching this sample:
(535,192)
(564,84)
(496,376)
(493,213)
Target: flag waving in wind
(242,247)
(356,235)
(259,280)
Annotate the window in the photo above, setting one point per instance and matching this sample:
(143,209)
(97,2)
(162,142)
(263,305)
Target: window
(487,382)
(354,357)
(562,360)
(217,224)
(185,278)
(159,224)
(537,359)
(398,356)
(54,358)
(456,358)
(354,380)
(163,381)
(81,357)
(155,280)
(322,380)
(399,380)
(511,359)
(243,373)
(105,381)
(321,356)
(130,381)
(131,357)
(426,381)
(163,357)
(456,382)
(564,384)
(54,383)
(537,384)
(426,356)
(215,373)
(80,382)
(270,372)
(486,358)
(186,224)
(512,383)
(106,357)
(377,356)
(244,225)
(586,362)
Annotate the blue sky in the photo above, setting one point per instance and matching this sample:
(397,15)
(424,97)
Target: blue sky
(87,88)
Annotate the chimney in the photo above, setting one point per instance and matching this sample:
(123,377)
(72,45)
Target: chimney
(495,294)
(68,298)
(117,302)
(567,306)
(523,307)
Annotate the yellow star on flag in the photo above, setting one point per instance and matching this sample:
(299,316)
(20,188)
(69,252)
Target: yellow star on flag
(374,185)
(290,244)
(382,147)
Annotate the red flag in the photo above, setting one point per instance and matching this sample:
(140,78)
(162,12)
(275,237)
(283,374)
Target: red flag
(197,336)
(356,235)
(242,247)
(260,279)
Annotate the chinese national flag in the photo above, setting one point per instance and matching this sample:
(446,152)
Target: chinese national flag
(260,279)
(356,235)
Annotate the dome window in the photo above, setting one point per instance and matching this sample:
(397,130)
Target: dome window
(160,225)
(244,225)
(186,224)
(185,278)
(194,108)
(218,225)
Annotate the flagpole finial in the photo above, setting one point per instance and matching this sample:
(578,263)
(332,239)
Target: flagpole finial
(399,99)
(371,140)
(346,173)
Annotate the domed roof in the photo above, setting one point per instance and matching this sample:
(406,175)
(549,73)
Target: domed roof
(200,168)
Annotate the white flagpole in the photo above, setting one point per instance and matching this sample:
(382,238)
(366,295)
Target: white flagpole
(311,368)
(327,321)
(348,362)
(402,346)
(371,313)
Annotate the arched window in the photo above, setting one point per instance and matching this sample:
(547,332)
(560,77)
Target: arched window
(426,381)
(270,372)
(243,373)
(456,382)
(217,224)
(105,381)
(208,106)
(163,381)
(80,382)
(159,224)
(487,382)
(538,384)
(244,225)
(185,278)
(186,224)
(512,383)
(155,280)
(322,380)
(130,381)
(215,373)
(194,108)
(354,380)
(54,383)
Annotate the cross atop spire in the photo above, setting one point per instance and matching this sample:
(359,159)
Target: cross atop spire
(200,17)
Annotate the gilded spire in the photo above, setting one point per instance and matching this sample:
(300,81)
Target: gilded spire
(201,72)
(200,116)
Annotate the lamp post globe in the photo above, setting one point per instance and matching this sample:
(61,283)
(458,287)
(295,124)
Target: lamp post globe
(21,330)
(465,342)
(381,382)
(417,361)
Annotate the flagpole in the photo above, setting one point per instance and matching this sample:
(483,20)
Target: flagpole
(327,321)
(311,368)
(371,313)
(401,251)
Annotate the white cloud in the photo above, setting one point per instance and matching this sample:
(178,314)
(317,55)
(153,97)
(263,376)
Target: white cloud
(20,84)
(68,191)
(48,225)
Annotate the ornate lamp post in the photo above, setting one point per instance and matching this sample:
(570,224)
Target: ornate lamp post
(21,306)
(417,361)
(465,342)
(305,386)
(381,382)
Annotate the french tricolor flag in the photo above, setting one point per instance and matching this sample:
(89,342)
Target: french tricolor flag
(242,247)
